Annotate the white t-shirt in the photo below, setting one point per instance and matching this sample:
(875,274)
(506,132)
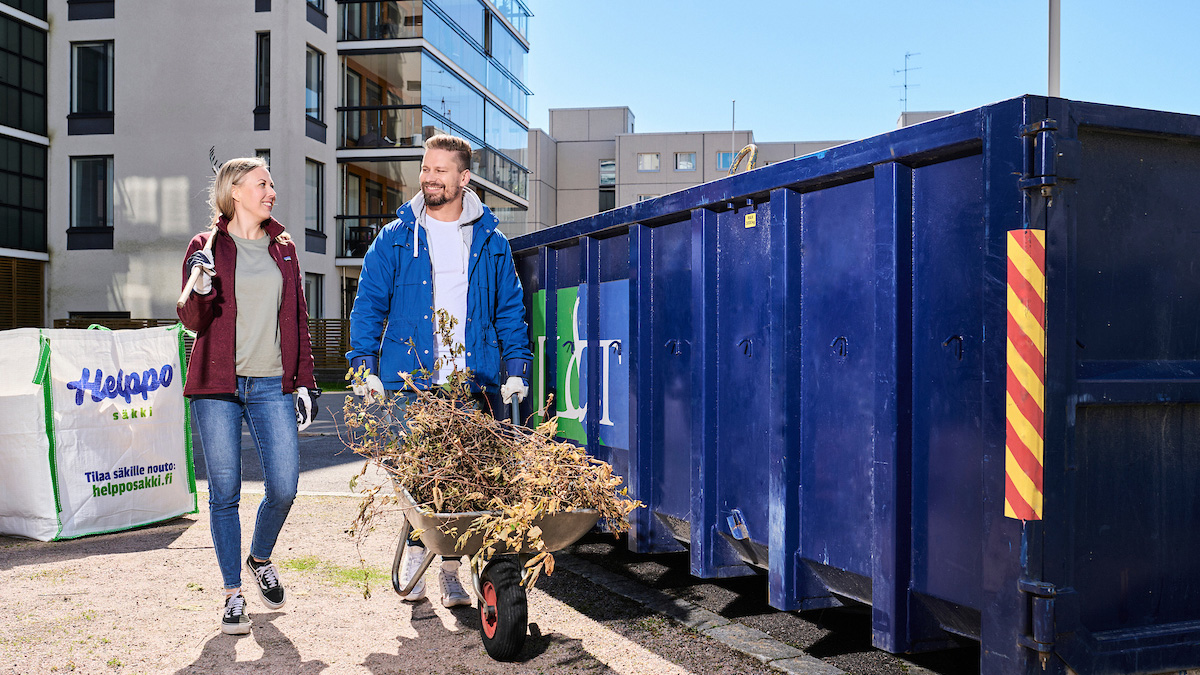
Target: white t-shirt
(449,254)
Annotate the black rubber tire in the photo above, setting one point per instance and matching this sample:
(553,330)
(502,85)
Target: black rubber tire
(502,625)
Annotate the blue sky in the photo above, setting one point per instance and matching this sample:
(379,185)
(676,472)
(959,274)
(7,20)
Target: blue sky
(825,69)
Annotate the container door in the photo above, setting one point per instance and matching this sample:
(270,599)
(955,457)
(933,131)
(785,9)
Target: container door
(837,380)
(947,448)
(1122,457)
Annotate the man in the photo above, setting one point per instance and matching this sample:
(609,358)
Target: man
(443,252)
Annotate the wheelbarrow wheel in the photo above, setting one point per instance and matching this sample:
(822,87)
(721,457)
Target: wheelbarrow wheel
(503,614)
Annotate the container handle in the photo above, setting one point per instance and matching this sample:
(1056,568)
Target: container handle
(841,346)
(747,346)
(958,348)
(673,345)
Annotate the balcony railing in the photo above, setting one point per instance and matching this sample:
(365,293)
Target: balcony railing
(389,126)
(358,232)
(379,20)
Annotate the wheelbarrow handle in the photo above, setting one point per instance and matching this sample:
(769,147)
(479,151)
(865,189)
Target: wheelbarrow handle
(515,409)
(400,546)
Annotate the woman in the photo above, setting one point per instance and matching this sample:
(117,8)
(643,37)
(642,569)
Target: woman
(251,352)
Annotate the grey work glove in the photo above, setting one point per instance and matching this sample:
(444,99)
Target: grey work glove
(515,386)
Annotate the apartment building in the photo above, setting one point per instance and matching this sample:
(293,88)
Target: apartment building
(114,110)
(24,140)
(593,160)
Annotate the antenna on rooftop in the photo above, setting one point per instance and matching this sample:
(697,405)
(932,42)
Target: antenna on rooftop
(905,69)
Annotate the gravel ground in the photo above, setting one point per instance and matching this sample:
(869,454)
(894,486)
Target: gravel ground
(148,601)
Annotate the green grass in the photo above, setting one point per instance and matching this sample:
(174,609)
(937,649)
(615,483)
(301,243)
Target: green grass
(336,574)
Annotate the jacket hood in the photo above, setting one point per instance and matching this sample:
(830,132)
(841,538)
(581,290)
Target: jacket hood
(473,210)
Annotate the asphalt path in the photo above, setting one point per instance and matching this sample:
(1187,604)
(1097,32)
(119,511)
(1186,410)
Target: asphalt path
(839,638)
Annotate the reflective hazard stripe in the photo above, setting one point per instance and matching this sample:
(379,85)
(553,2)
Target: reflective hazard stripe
(1025,398)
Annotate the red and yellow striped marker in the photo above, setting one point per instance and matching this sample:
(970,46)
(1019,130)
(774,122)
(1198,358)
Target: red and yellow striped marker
(1025,398)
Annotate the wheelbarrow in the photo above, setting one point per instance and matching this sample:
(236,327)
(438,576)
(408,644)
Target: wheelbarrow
(503,616)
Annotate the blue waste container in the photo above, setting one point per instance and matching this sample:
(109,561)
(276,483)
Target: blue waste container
(952,372)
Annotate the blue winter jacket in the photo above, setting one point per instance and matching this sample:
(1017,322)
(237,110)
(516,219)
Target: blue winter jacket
(395,304)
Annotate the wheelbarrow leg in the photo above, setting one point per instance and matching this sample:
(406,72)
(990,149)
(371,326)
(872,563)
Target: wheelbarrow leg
(405,531)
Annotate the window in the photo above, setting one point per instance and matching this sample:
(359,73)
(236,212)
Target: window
(647,161)
(316,14)
(264,155)
(317,4)
(91,88)
(608,172)
(685,161)
(314,294)
(22,195)
(91,192)
(608,199)
(22,76)
(262,83)
(314,83)
(724,160)
(314,191)
(642,198)
(262,74)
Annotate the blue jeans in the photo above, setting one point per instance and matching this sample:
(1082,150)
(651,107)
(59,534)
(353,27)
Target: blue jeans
(271,417)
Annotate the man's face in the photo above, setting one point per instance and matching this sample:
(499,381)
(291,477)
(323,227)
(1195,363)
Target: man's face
(442,181)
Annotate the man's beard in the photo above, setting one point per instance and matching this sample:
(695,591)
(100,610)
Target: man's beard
(447,194)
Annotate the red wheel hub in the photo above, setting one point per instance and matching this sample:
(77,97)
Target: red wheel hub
(487,610)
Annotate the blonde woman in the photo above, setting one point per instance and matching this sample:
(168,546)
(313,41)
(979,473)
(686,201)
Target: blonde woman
(252,351)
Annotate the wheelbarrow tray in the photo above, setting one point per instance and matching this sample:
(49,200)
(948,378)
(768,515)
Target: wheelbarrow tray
(440,532)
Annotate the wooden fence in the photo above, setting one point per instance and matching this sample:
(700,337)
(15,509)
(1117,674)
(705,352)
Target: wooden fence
(330,339)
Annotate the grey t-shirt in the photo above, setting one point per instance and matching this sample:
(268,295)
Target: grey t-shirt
(258,292)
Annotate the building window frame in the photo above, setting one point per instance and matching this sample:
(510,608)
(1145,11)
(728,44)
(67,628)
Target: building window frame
(724,160)
(262,81)
(96,232)
(642,198)
(608,172)
(314,94)
(314,294)
(83,119)
(688,163)
(648,162)
(314,206)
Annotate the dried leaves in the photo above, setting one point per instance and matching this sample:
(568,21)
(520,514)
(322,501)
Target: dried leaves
(453,457)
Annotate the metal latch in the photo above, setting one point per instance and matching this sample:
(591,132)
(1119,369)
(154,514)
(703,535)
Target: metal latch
(1041,617)
(1040,156)
(737,525)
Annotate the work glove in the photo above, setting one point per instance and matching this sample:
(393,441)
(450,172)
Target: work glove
(207,270)
(515,386)
(306,406)
(370,390)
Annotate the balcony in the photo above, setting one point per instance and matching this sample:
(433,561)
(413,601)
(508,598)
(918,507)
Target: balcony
(358,232)
(379,20)
(389,126)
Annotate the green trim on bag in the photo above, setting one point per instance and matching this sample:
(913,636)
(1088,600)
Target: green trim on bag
(97,326)
(180,331)
(42,378)
(126,528)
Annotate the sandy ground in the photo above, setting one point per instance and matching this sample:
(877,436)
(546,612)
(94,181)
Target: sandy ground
(148,601)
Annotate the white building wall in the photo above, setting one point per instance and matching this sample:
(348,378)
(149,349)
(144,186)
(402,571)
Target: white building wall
(184,80)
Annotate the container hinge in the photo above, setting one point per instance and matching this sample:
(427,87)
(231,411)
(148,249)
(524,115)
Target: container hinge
(1040,155)
(1041,617)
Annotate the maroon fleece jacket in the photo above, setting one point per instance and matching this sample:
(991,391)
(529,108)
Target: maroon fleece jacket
(214,317)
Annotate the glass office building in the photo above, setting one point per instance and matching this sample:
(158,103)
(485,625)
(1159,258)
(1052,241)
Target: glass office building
(411,69)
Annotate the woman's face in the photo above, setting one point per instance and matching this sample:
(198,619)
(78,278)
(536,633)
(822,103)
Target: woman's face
(255,195)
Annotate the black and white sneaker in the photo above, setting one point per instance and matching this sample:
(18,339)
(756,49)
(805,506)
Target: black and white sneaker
(268,582)
(234,621)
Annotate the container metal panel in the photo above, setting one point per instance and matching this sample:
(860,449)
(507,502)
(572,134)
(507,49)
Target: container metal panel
(837,380)
(947,460)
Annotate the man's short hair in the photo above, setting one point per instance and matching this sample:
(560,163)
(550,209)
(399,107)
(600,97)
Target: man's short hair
(460,146)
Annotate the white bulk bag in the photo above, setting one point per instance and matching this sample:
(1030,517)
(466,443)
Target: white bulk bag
(117,439)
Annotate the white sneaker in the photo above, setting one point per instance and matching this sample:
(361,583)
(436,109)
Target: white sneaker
(412,563)
(453,593)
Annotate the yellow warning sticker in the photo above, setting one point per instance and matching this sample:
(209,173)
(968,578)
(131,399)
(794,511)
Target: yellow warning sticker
(751,219)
